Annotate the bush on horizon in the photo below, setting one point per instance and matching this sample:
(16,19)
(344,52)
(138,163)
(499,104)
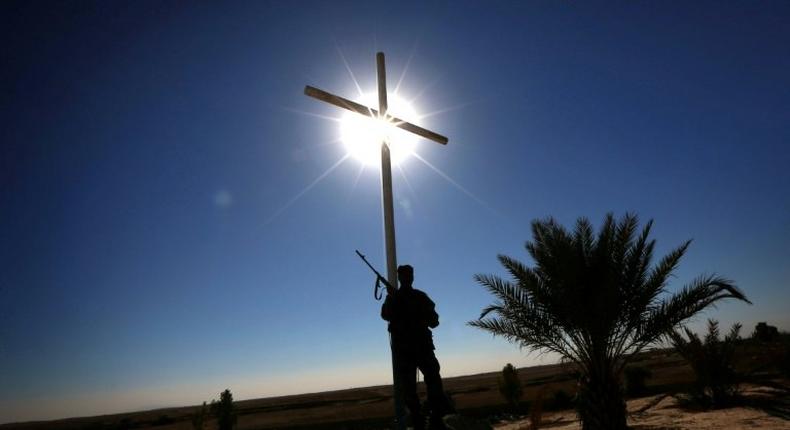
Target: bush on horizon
(225,411)
(765,332)
(510,386)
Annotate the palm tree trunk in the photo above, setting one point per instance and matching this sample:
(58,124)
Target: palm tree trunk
(600,403)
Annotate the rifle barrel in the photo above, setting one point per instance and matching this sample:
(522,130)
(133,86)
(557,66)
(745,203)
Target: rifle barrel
(367,262)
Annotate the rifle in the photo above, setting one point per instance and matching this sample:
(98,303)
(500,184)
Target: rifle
(379,279)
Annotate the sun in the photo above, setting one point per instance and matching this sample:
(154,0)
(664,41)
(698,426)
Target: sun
(362,135)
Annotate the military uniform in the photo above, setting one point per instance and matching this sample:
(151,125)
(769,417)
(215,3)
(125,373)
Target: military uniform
(411,315)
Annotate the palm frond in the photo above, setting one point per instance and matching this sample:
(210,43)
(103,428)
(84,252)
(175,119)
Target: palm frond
(624,236)
(531,285)
(701,293)
(657,280)
(583,237)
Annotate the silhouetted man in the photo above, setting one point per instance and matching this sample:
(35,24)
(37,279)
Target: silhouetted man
(411,317)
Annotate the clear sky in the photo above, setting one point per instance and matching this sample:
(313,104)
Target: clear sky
(152,246)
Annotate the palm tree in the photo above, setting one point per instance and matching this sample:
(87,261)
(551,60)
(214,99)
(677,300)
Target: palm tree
(595,301)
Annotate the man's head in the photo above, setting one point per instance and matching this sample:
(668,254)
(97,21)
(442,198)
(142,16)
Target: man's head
(405,275)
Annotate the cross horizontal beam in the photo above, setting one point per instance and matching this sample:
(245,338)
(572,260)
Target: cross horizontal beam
(373,113)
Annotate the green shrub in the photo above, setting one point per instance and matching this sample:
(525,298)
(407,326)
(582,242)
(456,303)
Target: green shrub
(635,377)
(510,386)
(712,361)
(225,411)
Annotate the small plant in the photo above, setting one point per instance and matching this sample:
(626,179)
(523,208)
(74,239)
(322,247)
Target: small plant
(635,377)
(510,386)
(224,411)
(712,362)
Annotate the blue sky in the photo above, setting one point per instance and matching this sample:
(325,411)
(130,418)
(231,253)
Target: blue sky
(152,253)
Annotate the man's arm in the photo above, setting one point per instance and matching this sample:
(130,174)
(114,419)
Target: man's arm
(433,317)
(390,288)
(387,309)
(429,315)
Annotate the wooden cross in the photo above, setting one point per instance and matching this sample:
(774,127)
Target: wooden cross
(386,184)
(386,169)
(373,113)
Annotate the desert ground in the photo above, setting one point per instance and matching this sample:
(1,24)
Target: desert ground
(766,405)
(768,409)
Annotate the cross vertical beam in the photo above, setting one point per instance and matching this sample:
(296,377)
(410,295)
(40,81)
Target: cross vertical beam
(386,180)
(389,231)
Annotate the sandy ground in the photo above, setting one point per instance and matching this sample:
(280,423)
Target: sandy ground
(770,411)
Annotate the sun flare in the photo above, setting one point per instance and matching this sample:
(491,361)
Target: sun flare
(362,135)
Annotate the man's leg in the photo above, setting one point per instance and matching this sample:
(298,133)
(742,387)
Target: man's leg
(407,371)
(429,366)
